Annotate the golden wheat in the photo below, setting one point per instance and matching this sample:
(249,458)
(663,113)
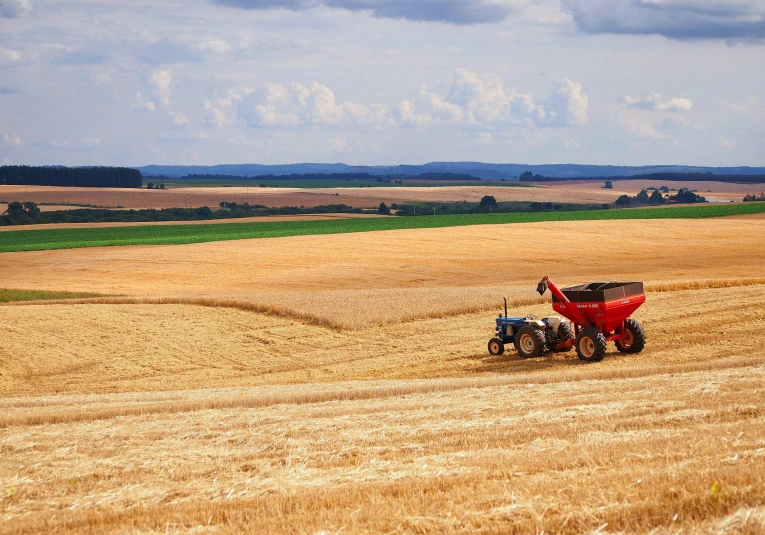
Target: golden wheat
(342,384)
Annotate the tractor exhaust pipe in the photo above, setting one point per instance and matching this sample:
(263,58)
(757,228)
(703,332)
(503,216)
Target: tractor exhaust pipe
(505,298)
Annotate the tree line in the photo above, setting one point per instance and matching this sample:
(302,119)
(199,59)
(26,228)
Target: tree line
(683,196)
(94,177)
(28,213)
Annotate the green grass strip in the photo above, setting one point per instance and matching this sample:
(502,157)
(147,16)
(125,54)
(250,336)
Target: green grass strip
(8,296)
(70,238)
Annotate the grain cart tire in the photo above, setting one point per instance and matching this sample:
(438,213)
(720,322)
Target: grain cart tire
(565,333)
(590,345)
(496,347)
(530,342)
(633,340)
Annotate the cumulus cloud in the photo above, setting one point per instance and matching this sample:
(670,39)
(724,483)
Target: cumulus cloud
(678,19)
(450,11)
(11,9)
(8,55)
(91,141)
(160,81)
(276,105)
(472,100)
(475,100)
(142,104)
(179,119)
(654,101)
(12,140)
(214,46)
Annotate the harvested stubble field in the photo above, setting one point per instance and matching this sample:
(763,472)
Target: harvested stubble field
(341,384)
(575,191)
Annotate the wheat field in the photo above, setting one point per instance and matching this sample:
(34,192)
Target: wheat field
(575,191)
(341,384)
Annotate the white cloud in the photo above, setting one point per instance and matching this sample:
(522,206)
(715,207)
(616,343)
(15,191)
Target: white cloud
(471,100)
(276,105)
(179,119)
(475,100)
(571,143)
(142,104)
(12,140)
(8,55)
(160,81)
(338,144)
(654,101)
(725,142)
(214,46)
(91,141)
(102,78)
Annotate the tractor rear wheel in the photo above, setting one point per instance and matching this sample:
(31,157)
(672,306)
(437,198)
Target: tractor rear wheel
(530,342)
(496,347)
(633,337)
(591,345)
(565,333)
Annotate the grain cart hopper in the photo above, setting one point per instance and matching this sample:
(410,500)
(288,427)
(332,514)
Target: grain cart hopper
(599,311)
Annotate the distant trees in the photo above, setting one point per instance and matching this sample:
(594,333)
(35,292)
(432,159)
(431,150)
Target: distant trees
(686,196)
(98,177)
(27,213)
(608,185)
(683,196)
(20,213)
(656,197)
(751,197)
(488,200)
(383,209)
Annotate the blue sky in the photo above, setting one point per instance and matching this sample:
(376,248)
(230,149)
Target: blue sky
(382,81)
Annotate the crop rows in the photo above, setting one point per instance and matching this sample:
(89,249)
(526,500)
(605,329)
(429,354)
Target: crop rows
(40,240)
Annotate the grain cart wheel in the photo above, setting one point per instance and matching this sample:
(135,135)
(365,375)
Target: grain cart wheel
(565,333)
(496,347)
(633,338)
(530,342)
(591,345)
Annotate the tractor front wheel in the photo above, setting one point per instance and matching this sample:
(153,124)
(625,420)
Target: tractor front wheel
(496,347)
(633,337)
(530,342)
(591,345)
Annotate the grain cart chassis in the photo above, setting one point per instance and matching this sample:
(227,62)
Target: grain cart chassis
(599,312)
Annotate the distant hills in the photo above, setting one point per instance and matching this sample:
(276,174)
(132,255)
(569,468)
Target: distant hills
(486,171)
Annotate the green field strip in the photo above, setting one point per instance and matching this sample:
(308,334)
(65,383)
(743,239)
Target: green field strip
(71,238)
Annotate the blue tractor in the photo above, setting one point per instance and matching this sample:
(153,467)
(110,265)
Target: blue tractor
(531,336)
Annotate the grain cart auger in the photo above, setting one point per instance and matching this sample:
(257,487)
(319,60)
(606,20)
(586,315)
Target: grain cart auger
(599,311)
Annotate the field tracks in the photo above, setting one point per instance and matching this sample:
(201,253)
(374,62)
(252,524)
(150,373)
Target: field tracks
(69,409)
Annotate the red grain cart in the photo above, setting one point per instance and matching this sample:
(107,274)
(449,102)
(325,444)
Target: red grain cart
(600,312)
